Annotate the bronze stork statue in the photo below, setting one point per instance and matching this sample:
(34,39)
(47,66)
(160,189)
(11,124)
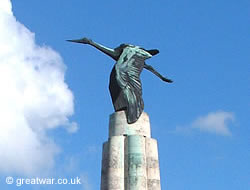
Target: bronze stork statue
(125,84)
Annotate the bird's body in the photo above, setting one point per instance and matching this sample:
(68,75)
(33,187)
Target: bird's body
(125,84)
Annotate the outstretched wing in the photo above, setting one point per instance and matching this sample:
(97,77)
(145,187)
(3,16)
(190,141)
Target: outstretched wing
(128,70)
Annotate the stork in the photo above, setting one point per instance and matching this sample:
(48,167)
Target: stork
(125,84)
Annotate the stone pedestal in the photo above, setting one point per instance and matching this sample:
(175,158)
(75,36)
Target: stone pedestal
(130,156)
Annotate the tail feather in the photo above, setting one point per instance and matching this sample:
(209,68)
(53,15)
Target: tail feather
(135,105)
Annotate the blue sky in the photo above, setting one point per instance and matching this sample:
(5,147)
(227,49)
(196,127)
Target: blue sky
(201,121)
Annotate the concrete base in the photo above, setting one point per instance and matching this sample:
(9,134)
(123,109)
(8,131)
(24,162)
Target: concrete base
(130,156)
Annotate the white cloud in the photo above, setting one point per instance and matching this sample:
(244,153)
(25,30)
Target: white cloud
(5,6)
(214,122)
(72,127)
(33,98)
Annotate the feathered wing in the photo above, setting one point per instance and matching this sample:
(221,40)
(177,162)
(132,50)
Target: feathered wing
(128,69)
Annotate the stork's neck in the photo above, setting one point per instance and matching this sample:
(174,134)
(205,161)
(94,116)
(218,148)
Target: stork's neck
(108,51)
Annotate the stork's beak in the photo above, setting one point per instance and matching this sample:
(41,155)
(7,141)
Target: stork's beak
(76,41)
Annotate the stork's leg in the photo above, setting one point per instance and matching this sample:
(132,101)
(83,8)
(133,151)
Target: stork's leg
(150,68)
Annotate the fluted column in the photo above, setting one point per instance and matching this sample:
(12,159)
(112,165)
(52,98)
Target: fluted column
(130,156)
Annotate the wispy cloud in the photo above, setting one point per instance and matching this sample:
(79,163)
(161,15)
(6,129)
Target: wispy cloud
(214,122)
(34,98)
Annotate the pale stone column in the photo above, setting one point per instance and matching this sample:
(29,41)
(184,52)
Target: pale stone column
(118,125)
(113,164)
(130,156)
(153,169)
(135,163)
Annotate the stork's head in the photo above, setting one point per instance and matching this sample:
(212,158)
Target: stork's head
(82,41)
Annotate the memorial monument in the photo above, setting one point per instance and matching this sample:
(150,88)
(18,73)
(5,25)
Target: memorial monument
(130,156)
